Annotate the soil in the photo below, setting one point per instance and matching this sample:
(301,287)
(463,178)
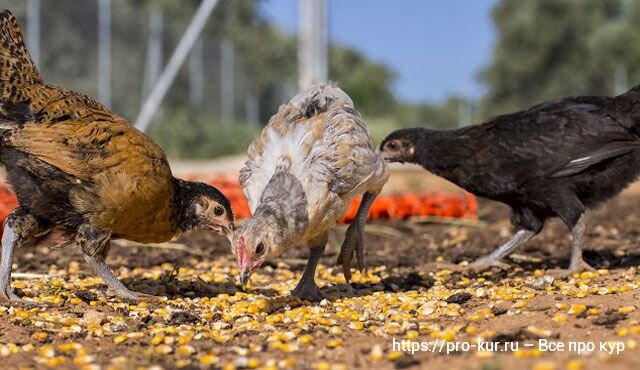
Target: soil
(412,254)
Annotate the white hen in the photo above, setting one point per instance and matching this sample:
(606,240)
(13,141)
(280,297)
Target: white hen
(313,157)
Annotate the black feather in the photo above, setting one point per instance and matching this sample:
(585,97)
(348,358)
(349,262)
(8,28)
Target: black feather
(555,159)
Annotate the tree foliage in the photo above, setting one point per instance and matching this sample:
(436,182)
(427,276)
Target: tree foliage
(553,48)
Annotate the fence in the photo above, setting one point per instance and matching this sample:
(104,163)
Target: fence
(115,50)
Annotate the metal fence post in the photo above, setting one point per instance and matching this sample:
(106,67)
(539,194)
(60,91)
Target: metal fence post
(33,30)
(313,63)
(104,52)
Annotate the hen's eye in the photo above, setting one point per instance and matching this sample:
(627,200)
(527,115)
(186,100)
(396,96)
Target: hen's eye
(392,145)
(218,211)
(260,249)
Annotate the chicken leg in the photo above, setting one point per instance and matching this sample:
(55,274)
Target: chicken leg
(18,227)
(577,263)
(354,237)
(95,244)
(493,260)
(9,241)
(307,289)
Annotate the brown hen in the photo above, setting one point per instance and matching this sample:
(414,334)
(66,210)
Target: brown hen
(83,175)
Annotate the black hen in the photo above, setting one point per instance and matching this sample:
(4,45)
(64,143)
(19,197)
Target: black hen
(555,159)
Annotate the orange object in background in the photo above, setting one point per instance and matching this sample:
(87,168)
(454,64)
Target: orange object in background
(8,203)
(403,206)
(394,207)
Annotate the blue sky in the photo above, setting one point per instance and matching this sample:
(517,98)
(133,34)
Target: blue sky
(436,47)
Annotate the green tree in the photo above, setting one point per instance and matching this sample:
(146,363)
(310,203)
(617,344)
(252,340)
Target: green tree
(548,49)
(368,83)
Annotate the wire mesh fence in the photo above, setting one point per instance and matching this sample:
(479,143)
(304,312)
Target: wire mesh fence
(115,50)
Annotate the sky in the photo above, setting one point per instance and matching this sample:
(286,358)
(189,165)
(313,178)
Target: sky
(436,47)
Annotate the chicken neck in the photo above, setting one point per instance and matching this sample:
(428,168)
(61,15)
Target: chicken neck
(284,205)
(439,151)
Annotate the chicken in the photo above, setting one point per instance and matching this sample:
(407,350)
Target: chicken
(555,159)
(313,157)
(83,175)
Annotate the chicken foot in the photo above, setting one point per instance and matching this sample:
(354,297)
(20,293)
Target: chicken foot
(354,237)
(577,263)
(95,244)
(307,289)
(18,227)
(493,260)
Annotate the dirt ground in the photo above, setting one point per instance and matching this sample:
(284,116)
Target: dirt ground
(412,291)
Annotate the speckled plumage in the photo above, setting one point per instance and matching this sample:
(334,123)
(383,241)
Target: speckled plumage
(318,151)
(86,174)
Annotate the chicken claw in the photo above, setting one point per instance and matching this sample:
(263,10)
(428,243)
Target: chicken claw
(574,268)
(115,286)
(308,291)
(8,296)
(140,297)
(486,263)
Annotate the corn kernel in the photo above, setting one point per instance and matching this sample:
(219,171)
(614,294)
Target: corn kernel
(40,336)
(520,304)
(577,309)
(208,360)
(575,365)
(471,330)
(356,325)
(544,365)
(376,354)
(560,318)
(120,339)
(186,350)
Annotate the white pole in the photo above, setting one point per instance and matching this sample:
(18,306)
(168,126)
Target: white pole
(179,55)
(153,64)
(33,30)
(104,52)
(313,64)
(227,88)
(196,74)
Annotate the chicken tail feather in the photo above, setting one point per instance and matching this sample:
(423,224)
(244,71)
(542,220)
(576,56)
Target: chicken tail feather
(16,66)
(315,100)
(17,72)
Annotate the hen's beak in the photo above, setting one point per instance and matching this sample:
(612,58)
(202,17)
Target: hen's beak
(391,157)
(244,278)
(226,230)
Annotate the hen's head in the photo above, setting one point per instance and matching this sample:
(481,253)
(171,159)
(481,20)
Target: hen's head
(205,208)
(399,146)
(253,242)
